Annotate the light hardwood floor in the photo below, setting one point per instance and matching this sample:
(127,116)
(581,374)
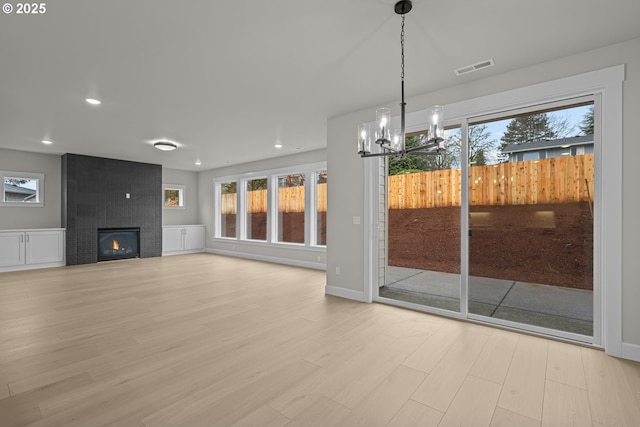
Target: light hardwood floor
(205,340)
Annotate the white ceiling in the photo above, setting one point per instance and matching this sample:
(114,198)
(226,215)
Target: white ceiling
(229,79)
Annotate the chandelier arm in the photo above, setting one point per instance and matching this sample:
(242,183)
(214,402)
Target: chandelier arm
(383,154)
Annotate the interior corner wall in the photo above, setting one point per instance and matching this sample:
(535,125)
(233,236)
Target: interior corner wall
(189,214)
(108,193)
(47,216)
(346,183)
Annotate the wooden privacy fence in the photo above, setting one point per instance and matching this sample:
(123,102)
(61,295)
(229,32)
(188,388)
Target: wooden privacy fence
(290,199)
(555,180)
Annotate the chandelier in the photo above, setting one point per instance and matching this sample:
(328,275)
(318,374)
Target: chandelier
(392,141)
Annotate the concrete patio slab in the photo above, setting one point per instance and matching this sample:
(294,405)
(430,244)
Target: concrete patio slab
(553,307)
(487,290)
(552,300)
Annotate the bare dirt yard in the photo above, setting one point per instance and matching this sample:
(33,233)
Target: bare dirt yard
(545,243)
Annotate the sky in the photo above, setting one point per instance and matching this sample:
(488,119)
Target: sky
(573,115)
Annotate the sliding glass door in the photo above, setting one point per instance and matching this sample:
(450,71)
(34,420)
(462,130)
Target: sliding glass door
(423,249)
(531,222)
(516,247)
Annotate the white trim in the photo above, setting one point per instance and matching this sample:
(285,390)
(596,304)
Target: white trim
(423,308)
(276,260)
(611,216)
(631,351)
(275,245)
(338,291)
(39,177)
(172,253)
(32,266)
(182,195)
(538,330)
(371,230)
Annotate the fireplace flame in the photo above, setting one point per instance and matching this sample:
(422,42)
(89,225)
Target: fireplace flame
(115,245)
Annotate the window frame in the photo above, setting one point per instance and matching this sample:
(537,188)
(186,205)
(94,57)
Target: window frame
(606,86)
(276,225)
(182,195)
(38,177)
(308,170)
(243,204)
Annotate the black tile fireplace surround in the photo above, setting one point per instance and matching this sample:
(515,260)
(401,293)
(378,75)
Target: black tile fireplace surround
(101,193)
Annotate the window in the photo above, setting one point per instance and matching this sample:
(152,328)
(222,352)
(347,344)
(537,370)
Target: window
(228,208)
(173,195)
(22,189)
(321,208)
(291,194)
(274,207)
(256,211)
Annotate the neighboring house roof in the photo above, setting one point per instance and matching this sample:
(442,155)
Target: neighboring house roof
(14,189)
(546,144)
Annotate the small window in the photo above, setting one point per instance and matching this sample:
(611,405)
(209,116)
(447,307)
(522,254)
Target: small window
(22,189)
(173,196)
(291,215)
(321,208)
(228,208)
(256,209)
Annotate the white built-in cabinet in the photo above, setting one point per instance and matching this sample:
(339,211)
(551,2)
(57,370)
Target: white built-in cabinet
(181,239)
(25,249)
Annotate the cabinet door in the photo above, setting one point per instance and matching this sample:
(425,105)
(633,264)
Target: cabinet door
(193,238)
(172,239)
(11,249)
(44,247)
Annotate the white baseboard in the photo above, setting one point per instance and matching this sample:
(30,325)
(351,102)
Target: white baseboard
(32,266)
(345,293)
(277,260)
(196,251)
(631,351)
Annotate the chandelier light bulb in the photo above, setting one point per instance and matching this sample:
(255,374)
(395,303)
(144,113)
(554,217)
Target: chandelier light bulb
(364,142)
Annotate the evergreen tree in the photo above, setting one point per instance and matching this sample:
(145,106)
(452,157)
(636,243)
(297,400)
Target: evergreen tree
(411,163)
(586,125)
(523,129)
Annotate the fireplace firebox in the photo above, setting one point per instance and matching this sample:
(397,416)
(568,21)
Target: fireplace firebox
(118,243)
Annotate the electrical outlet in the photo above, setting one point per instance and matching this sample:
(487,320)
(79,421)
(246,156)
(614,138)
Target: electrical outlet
(338,270)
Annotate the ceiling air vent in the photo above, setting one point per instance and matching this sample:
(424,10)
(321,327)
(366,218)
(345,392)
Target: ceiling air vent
(474,67)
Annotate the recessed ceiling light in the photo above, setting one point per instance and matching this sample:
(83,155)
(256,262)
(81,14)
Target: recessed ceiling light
(198,163)
(47,142)
(93,101)
(278,145)
(165,145)
(565,146)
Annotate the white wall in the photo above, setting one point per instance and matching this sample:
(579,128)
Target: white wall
(48,216)
(310,257)
(345,188)
(189,214)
